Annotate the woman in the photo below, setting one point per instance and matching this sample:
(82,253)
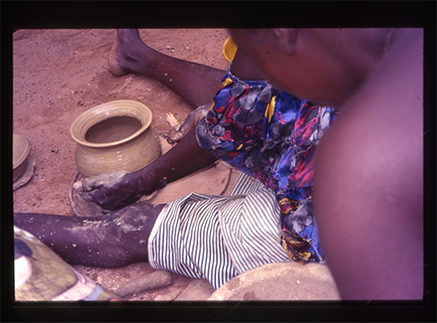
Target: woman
(368,191)
(268,217)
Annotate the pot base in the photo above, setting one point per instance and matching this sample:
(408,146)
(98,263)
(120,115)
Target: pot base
(79,206)
(27,175)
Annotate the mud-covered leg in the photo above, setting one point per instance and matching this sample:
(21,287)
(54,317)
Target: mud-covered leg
(195,83)
(115,239)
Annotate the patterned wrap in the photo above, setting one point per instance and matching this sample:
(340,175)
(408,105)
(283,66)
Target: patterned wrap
(40,275)
(271,135)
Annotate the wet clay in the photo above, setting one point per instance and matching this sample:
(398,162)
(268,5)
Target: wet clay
(106,179)
(177,132)
(113,129)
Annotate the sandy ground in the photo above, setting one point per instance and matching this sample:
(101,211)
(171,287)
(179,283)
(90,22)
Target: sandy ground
(58,75)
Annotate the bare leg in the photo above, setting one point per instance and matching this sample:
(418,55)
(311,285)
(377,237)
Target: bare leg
(195,83)
(112,240)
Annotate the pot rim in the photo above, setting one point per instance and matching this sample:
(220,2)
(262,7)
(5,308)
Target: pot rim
(108,110)
(16,140)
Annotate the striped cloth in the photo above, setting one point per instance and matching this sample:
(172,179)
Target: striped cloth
(218,237)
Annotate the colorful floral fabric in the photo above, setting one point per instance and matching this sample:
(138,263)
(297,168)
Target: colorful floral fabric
(271,135)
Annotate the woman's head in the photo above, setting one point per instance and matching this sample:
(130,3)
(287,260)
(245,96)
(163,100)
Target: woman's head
(325,66)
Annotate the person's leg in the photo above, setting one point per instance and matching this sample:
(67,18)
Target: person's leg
(195,83)
(115,239)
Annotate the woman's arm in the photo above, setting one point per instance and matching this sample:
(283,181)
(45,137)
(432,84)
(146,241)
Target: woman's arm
(115,190)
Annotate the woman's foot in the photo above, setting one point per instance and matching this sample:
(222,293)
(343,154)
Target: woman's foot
(195,83)
(129,54)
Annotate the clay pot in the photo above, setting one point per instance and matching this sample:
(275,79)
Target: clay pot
(283,281)
(115,136)
(20,152)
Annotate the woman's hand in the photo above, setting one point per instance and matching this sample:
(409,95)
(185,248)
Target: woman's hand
(114,190)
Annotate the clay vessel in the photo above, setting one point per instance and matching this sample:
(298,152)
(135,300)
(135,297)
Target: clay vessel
(115,136)
(20,152)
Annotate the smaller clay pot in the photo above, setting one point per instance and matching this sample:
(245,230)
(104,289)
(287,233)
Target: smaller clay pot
(20,152)
(115,136)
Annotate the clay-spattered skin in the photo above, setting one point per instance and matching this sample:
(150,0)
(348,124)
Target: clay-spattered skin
(115,239)
(178,132)
(126,188)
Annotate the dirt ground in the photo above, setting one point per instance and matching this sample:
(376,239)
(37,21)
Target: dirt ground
(58,75)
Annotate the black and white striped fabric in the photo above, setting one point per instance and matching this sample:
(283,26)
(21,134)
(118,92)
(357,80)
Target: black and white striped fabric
(218,237)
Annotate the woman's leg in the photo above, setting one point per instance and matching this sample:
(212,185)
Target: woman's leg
(195,83)
(112,240)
